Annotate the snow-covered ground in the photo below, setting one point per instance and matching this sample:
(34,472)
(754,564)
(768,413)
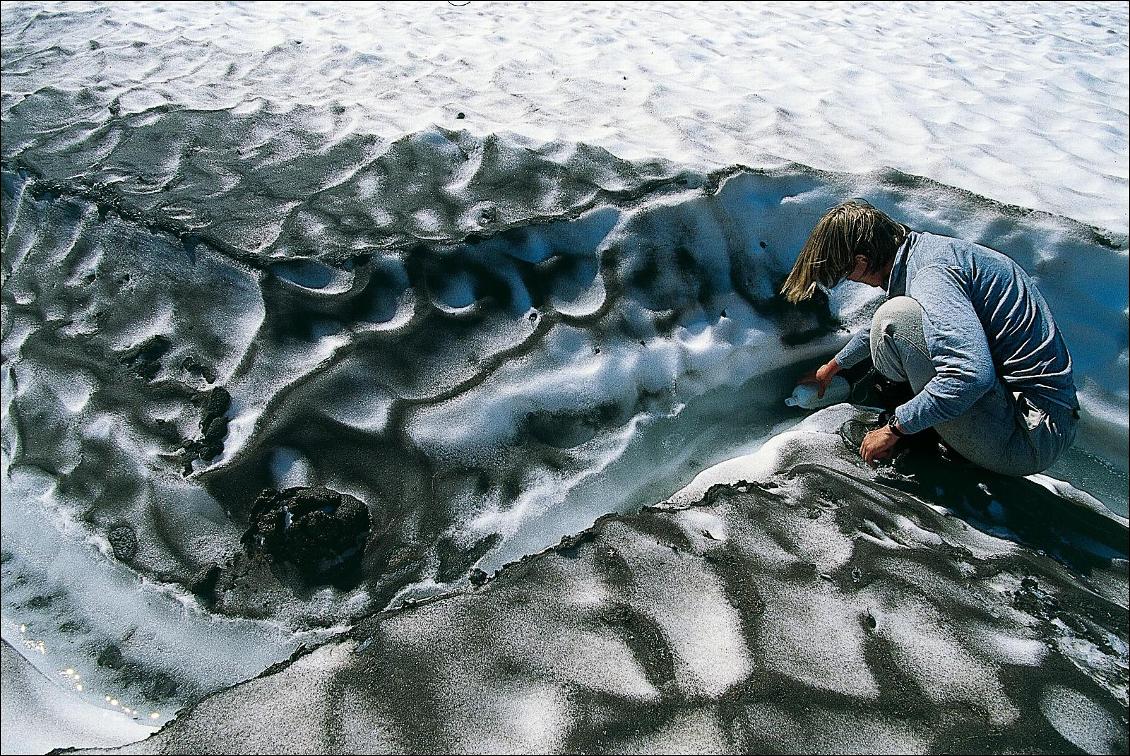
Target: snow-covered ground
(493,269)
(1023,103)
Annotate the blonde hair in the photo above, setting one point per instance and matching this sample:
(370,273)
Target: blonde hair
(848,229)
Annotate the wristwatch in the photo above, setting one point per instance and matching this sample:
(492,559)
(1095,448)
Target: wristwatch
(893,425)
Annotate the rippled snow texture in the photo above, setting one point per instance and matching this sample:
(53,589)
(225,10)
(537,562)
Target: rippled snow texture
(491,270)
(1026,104)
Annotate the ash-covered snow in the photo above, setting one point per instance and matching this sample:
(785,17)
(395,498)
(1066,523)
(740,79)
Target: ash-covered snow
(252,247)
(918,648)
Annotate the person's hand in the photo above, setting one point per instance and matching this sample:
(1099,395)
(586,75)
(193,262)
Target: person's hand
(822,376)
(878,444)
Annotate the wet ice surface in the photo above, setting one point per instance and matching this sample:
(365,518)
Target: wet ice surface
(491,331)
(39,716)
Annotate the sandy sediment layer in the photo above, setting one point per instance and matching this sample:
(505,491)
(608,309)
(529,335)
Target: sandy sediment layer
(481,395)
(817,608)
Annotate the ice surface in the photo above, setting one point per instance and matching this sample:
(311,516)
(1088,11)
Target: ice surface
(40,714)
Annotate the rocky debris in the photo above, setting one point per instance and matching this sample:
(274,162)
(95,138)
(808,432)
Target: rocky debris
(123,540)
(214,405)
(318,530)
(199,370)
(204,582)
(298,541)
(569,544)
(145,358)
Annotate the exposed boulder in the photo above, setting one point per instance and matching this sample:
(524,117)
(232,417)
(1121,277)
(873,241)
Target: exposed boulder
(318,530)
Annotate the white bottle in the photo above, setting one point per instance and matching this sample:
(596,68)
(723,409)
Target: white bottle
(805,394)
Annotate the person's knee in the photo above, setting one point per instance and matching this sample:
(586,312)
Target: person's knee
(899,316)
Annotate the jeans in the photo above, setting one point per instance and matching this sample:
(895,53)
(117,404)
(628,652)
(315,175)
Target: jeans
(1003,431)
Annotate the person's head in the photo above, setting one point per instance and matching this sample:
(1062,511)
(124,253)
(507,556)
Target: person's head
(853,240)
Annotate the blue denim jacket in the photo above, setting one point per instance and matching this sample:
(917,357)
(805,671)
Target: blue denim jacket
(983,319)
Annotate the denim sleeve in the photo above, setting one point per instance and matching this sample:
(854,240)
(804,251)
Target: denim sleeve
(856,350)
(957,345)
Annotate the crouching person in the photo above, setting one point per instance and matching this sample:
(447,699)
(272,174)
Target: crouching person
(963,324)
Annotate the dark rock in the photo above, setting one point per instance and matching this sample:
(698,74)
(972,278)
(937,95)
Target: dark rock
(160,687)
(318,530)
(216,429)
(203,583)
(478,577)
(460,116)
(123,540)
(145,358)
(208,452)
(214,405)
(111,657)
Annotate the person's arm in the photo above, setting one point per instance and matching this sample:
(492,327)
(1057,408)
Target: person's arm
(855,351)
(958,348)
(822,376)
